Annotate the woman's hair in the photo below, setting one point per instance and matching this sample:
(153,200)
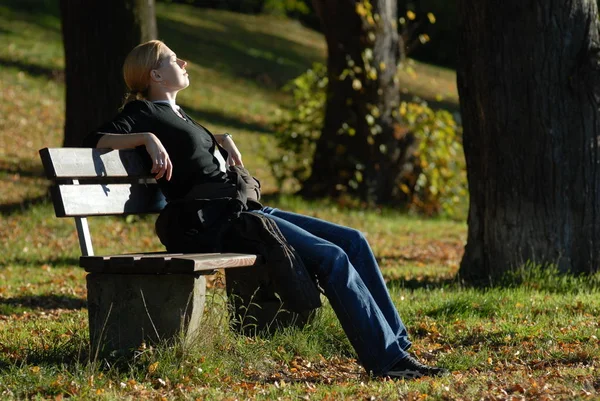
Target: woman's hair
(137,66)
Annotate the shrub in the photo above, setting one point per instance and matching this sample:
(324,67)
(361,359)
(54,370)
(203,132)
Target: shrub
(299,127)
(436,183)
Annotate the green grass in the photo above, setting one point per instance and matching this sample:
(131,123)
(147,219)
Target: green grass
(534,337)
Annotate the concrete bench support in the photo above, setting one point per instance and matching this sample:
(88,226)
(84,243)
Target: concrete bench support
(254,306)
(126,310)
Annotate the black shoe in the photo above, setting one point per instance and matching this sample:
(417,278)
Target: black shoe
(410,368)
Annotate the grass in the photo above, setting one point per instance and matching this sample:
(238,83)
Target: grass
(533,337)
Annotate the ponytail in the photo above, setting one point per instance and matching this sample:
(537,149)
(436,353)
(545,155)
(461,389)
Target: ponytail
(130,97)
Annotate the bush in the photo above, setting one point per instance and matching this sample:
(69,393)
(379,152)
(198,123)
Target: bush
(299,127)
(436,183)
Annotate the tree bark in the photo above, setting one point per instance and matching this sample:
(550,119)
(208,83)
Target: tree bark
(360,149)
(97,36)
(528,84)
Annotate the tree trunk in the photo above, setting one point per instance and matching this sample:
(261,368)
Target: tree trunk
(528,85)
(360,149)
(97,36)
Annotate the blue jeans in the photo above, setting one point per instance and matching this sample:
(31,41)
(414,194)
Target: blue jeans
(346,268)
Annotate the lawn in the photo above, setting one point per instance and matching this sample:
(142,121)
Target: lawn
(535,337)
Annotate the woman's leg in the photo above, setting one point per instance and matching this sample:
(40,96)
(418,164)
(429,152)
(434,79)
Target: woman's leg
(355,245)
(377,344)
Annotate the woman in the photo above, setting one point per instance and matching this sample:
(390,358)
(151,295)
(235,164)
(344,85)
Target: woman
(185,155)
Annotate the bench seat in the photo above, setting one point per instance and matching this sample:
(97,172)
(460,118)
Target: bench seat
(165,263)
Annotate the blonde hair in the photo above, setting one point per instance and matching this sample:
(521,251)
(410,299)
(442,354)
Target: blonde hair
(137,67)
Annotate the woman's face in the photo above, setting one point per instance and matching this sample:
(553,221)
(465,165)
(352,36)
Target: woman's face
(171,73)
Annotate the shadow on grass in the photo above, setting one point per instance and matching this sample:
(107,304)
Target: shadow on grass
(423,282)
(52,74)
(45,13)
(226,45)
(7,209)
(55,262)
(71,354)
(463,307)
(222,119)
(22,167)
(44,302)
(67,359)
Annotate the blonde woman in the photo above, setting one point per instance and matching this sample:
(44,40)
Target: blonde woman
(185,157)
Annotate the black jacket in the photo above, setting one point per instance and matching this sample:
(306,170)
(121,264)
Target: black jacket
(222,220)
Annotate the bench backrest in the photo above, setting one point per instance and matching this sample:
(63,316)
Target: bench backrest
(93,182)
(97,182)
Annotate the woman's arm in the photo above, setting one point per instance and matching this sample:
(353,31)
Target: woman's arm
(121,141)
(161,162)
(226,141)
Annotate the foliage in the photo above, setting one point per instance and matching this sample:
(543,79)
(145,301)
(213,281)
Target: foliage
(436,183)
(299,127)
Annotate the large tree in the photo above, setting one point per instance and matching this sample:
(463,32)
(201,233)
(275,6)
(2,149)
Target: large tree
(97,35)
(362,149)
(528,80)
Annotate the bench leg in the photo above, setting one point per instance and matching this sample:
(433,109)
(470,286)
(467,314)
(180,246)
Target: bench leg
(255,308)
(126,310)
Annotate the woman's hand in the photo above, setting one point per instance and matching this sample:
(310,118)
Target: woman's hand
(235,157)
(161,162)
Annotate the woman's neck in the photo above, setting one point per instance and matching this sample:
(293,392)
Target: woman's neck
(155,94)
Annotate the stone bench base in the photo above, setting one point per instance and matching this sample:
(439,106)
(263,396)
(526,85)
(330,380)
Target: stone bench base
(126,310)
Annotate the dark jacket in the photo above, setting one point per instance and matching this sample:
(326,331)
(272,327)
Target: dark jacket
(219,218)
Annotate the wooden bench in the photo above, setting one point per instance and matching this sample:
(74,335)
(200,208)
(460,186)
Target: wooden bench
(147,297)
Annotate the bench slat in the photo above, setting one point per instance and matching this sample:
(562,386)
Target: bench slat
(96,264)
(207,262)
(166,262)
(110,199)
(149,263)
(78,163)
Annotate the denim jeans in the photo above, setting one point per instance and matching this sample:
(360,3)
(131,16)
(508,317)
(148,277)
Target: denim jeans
(346,268)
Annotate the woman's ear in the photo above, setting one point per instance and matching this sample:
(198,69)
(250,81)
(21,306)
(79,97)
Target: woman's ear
(155,76)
